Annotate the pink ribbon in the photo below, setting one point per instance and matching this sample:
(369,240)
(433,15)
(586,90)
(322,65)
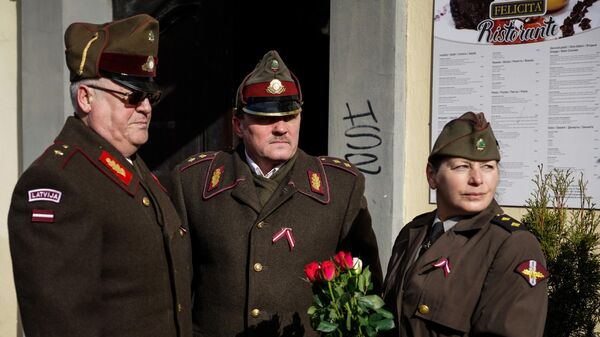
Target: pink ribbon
(444,264)
(288,234)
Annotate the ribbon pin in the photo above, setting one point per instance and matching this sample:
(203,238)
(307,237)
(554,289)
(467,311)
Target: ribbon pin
(444,264)
(288,234)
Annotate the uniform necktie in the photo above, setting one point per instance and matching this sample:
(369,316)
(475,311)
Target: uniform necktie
(434,233)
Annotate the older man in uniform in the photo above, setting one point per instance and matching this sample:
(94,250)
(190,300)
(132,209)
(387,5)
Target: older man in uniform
(259,214)
(97,246)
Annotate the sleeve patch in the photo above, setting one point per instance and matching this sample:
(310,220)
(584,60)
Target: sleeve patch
(44,194)
(532,271)
(42,215)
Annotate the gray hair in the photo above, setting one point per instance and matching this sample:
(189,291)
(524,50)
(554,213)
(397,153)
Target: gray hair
(75,86)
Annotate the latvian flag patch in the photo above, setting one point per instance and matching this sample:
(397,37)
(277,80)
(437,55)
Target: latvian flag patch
(42,215)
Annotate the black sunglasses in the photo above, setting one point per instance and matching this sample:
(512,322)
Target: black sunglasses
(134,97)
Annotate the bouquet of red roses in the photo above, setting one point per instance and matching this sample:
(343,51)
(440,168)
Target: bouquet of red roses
(343,303)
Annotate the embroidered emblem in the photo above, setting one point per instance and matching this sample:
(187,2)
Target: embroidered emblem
(347,165)
(315,182)
(216,177)
(151,36)
(191,159)
(275,87)
(274,65)
(202,156)
(58,152)
(533,272)
(444,264)
(42,215)
(121,172)
(287,232)
(149,65)
(44,194)
(480,145)
(337,161)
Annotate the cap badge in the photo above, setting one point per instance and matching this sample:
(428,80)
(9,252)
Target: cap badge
(151,36)
(149,65)
(480,145)
(275,87)
(274,65)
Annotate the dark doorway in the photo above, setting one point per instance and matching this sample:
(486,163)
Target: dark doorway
(206,49)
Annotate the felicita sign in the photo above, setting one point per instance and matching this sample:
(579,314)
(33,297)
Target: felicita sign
(531,26)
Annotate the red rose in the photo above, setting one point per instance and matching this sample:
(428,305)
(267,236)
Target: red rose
(344,260)
(328,270)
(312,271)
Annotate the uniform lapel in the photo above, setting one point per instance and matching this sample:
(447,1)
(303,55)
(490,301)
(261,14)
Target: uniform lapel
(244,191)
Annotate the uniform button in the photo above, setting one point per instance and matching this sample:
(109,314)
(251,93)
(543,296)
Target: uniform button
(261,225)
(258,267)
(182,231)
(146,201)
(254,313)
(179,307)
(423,309)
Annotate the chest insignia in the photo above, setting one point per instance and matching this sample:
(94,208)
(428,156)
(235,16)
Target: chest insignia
(44,194)
(287,232)
(532,271)
(316,185)
(444,264)
(216,178)
(119,170)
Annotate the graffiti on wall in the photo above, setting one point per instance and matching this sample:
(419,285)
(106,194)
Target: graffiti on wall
(363,138)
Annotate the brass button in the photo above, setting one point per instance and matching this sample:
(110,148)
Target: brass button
(179,307)
(260,225)
(146,201)
(423,309)
(258,267)
(254,313)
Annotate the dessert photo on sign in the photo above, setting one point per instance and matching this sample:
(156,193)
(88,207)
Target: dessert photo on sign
(513,21)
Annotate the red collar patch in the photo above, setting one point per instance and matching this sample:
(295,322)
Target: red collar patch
(532,271)
(316,183)
(116,167)
(216,177)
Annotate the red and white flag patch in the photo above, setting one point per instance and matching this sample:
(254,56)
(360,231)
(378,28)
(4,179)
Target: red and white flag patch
(42,215)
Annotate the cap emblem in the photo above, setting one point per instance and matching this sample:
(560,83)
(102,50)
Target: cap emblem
(149,65)
(151,36)
(274,65)
(275,87)
(480,145)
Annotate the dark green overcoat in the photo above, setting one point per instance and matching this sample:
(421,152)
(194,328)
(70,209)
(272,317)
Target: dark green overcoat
(97,246)
(245,282)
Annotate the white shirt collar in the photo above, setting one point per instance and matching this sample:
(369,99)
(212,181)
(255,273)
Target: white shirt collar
(257,169)
(449,223)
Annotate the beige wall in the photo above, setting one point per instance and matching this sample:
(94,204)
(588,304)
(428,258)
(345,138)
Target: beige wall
(9,167)
(418,101)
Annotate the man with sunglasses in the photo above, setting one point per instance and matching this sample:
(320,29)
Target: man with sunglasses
(97,247)
(258,215)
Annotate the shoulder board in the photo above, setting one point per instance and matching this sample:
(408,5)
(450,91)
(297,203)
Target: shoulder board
(197,159)
(340,164)
(507,222)
(57,152)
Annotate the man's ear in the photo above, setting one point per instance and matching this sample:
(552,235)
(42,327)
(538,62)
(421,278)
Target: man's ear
(236,123)
(85,97)
(430,171)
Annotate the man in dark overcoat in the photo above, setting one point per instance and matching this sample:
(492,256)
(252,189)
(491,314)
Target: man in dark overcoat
(97,246)
(259,214)
(466,268)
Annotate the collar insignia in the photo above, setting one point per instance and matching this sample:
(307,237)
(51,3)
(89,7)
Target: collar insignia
(216,177)
(316,185)
(533,272)
(119,170)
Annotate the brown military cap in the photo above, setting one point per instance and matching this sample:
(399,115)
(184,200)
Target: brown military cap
(469,136)
(270,89)
(124,51)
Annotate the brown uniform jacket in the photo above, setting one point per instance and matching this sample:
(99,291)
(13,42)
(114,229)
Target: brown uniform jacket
(483,295)
(244,283)
(97,247)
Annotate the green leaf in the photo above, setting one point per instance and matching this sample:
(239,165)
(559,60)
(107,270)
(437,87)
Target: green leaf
(325,326)
(384,324)
(371,301)
(362,284)
(311,310)
(349,321)
(385,313)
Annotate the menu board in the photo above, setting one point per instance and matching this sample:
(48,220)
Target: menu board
(533,68)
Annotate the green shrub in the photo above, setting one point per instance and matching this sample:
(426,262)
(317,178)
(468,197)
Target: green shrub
(570,242)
